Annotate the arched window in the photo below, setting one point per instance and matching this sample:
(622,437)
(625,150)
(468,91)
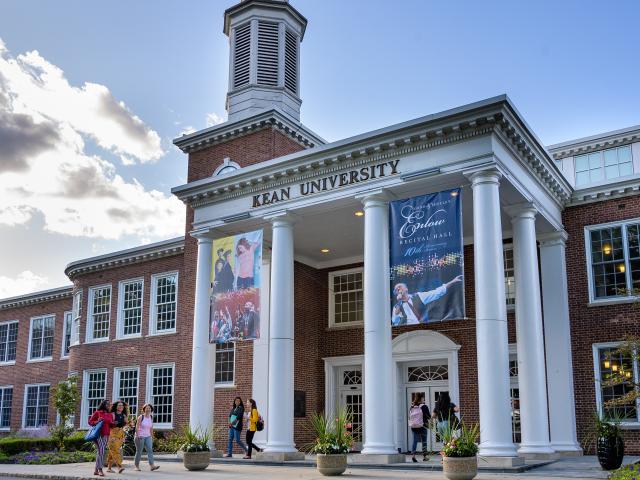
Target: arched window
(227,166)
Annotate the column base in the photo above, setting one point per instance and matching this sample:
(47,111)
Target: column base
(537,452)
(499,462)
(539,456)
(377,458)
(279,456)
(567,450)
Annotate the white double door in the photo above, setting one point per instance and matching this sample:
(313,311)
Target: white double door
(430,393)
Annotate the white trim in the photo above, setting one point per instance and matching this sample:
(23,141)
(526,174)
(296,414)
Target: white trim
(232,383)
(120,314)
(84,404)
(40,359)
(152,304)
(76,316)
(24,403)
(89,326)
(2,387)
(226,163)
(10,362)
(149,388)
(116,384)
(67,317)
(332,275)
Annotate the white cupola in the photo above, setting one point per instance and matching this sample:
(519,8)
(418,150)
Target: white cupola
(264,58)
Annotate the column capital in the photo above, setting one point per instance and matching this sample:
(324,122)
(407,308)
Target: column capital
(550,239)
(203,236)
(489,175)
(526,210)
(375,198)
(283,218)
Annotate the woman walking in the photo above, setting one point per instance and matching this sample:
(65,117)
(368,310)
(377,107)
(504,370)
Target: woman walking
(120,411)
(144,437)
(103,414)
(445,413)
(236,417)
(253,427)
(418,418)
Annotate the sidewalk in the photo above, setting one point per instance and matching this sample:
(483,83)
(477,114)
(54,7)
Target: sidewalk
(569,468)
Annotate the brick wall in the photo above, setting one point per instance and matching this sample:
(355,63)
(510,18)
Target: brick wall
(24,373)
(597,324)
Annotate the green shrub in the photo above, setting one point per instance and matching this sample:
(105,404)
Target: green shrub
(76,442)
(628,472)
(14,445)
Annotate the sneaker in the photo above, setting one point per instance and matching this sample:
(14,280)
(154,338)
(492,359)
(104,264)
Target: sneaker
(155,467)
(228,455)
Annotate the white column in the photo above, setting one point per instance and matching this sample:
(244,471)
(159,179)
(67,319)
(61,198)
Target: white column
(203,353)
(557,335)
(491,318)
(378,362)
(280,408)
(531,363)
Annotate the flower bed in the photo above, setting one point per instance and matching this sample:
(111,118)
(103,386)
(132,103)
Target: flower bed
(628,472)
(48,458)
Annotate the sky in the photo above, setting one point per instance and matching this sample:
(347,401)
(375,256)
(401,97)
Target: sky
(93,93)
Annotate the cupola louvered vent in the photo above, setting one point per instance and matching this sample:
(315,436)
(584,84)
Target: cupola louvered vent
(291,62)
(242,60)
(268,54)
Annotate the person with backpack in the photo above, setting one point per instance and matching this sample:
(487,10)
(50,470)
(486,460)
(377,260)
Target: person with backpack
(102,414)
(418,419)
(236,417)
(254,419)
(445,413)
(144,437)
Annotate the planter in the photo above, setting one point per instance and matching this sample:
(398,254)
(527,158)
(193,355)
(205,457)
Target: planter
(196,460)
(610,452)
(330,465)
(460,468)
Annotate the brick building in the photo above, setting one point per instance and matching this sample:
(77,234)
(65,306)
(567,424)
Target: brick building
(551,260)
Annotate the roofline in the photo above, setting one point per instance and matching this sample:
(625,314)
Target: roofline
(151,251)
(281,5)
(591,138)
(36,297)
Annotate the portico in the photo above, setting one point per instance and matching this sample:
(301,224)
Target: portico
(306,203)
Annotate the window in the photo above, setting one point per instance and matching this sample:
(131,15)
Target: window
(608,362)
(610,163)
(66,334)
(36,406)
(160,393)
(125,387)
(94,391)
(130,308)
(613,253)
(8,340)
(76,312)
(225,363)
(6,400)
(99,311)
(346,297)
(41,338)
(514,391)
(164,299)
(509,276)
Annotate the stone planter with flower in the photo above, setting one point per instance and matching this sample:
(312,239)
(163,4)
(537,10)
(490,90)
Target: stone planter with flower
(333,442)
(459,453)
(196,453)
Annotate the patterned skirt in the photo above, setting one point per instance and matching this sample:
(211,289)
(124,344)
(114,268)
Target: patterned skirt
(114,447)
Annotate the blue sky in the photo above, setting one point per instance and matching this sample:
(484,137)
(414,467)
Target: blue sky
(570,67)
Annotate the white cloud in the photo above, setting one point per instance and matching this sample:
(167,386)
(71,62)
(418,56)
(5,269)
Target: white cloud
(214,119)
(44,166)
(25,282)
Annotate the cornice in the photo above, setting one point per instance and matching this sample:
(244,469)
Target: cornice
(595,142)
(228,131)
(605,192)
(145,253)
(36,297)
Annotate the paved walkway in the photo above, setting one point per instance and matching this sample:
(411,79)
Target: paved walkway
(571,468)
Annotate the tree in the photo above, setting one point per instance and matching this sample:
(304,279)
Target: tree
(65,399)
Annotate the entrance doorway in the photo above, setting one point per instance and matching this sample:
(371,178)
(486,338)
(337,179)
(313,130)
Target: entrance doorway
(430,394)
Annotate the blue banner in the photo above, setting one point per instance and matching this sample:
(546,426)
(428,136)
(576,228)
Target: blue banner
(426,258)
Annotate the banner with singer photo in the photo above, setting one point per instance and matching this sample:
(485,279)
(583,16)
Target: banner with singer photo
(426,258)
(235,279)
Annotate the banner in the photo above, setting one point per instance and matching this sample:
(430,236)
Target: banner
(426,258)
(235,299)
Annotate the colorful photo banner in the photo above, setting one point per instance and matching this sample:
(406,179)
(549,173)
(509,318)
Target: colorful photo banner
(235,298)
(426,258)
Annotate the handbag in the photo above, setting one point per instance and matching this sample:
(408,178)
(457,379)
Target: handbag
(260,424)
(93,434)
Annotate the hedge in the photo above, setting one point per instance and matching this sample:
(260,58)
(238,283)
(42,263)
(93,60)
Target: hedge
(15,445)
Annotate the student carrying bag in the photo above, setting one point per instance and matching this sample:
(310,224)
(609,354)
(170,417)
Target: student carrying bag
(94,433)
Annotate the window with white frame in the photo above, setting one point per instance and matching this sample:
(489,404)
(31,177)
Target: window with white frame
(346,297)
(99,313)
(41,338)
(509,276)
(514,391)
(225,363)
(8,341)
(164,302)
(6,402)
(125,387)
(610,163)
(36,406)
(613,253)
(160,393)
(611,363)
(94,391)
(130,308)
(66,334)
(76,314)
